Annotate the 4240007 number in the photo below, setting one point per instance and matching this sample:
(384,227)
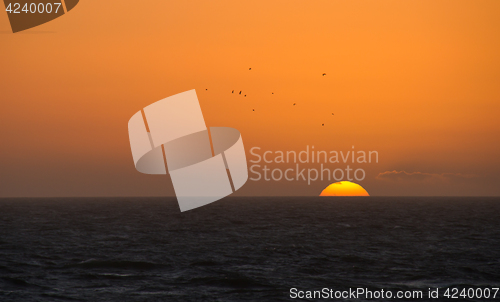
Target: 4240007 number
(33,8)
(471,293)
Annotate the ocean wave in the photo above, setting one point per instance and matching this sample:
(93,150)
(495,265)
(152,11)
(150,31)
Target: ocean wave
(118,264)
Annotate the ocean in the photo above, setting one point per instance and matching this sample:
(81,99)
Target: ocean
(245,248)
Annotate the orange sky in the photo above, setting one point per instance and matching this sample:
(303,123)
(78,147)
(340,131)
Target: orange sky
(417,81)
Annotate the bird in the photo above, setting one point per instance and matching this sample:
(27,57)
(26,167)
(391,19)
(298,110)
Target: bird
(249,68)
(206,89)
(324,74)
(240,92)
(245,95)
(322,124)
(272,93)
(294,104)
(253,109)
(333,114)
(232,91)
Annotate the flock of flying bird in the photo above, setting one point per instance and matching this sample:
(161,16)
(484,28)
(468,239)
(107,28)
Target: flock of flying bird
(324,74)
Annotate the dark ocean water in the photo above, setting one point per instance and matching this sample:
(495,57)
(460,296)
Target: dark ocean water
(243,249)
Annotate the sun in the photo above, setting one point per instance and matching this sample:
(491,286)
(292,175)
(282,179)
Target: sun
(344,188)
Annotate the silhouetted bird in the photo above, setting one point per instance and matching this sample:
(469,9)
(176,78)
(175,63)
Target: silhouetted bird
(253,109)
(206,89)
(322,124)
(324,74)
(240,92)
(272,93)
(294,104)
(232,91)
(333,114)
(245,95)
(249,68)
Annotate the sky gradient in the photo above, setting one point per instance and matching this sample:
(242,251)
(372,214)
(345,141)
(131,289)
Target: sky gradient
(416,80)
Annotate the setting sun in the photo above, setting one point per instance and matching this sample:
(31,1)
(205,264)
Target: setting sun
(344,188)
